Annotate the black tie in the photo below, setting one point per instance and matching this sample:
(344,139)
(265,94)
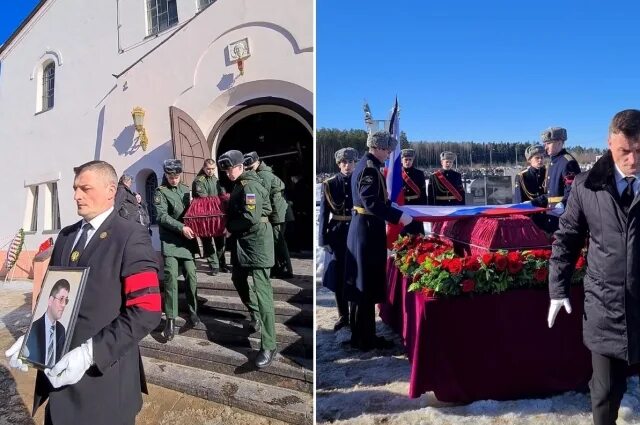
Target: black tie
(79,248)
(627,195)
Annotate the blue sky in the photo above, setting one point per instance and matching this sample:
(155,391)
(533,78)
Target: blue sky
(13,13)
(479,70)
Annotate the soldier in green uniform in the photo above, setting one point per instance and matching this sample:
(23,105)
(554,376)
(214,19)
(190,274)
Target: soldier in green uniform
(251,240)
(275,187)
(207,184)
(178,244)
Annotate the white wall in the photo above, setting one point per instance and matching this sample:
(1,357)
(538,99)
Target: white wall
(92,113)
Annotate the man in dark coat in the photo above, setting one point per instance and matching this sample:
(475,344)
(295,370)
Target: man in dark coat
(604,208)
(445,185)
(366,259)
(561,171)
(530,182)
(335,217)
(47,336)
(100,380)
(413,187)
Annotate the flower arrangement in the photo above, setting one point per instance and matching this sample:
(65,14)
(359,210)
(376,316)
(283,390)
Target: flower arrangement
(436,270)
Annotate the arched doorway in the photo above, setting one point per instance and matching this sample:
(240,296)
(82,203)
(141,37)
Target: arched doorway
(284,140)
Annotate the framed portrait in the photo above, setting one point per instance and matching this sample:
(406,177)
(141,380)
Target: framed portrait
(54,317)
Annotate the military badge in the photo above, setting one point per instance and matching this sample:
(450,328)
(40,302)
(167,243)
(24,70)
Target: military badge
(103,235)
(74,256)
(367,179)
(250,200)
(156,199)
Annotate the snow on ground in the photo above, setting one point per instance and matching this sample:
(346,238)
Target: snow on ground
(371,388)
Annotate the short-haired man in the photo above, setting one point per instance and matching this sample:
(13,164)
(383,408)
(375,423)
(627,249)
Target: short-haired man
(178,245)
(413,187)
(335,216)
(100,379)
(47,336)
(445,185)
(366,258)
(207,184)
(604,208)
(251,240)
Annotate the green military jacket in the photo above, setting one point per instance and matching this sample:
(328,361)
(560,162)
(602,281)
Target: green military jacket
(204,185)
(247,220)
(171,204)
(275,187)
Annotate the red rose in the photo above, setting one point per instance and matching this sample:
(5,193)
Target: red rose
(468,285)
(580,263)
(514,256)
(541,274)
(487,258)
(445,263)
(422,257)
(515,266)
(455,266)
(501,262)
(435,263)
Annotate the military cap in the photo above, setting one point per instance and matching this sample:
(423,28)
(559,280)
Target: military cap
(554,134)
(533,150)
(447,156)
(408,153)
(250,158)
(381,140)
(230,159)
(346,154)
(172,166)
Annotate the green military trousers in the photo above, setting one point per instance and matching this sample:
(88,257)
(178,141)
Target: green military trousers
(171,267)
(214,251)
(281,251)
(257,296)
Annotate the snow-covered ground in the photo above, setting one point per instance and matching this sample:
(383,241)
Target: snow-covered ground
(371,388)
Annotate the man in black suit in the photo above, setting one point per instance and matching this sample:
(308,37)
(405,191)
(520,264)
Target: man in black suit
(100,380)
(47,336)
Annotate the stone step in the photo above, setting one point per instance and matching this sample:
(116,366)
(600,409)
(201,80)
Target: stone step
(287,405)
(232,332)
(289,372)
(298,289)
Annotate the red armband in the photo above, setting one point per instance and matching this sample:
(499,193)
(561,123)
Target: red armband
(142,290)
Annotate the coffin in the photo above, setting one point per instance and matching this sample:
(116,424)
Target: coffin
(207,216)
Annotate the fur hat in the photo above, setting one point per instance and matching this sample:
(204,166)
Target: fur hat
(382,140)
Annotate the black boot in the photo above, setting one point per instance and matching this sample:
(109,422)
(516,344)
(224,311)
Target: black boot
(264,358)
(341,323)
(194,320)
(169,329)
(254,326)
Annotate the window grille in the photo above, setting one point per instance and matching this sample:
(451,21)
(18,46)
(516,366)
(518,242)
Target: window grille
(161,14)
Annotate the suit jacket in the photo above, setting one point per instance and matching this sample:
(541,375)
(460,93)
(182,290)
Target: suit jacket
(37,342)
(120,306)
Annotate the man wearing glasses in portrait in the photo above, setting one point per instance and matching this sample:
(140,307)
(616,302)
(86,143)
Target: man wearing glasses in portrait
(47,336)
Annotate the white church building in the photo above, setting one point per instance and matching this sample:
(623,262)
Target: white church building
(209,76)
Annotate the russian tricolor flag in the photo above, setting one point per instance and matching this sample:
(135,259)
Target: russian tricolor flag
(393,171)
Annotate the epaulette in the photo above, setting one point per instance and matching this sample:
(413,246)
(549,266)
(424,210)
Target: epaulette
(330,178)
(523,171)
(370,163)
(185,186)
(201,178)
(243,182)
(569,157)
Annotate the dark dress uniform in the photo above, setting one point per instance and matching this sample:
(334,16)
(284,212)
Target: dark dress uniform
(120,306)
(438,193)
(213,248)
(415,193)
(366,259)
(279,206)
(335,217)
(529,186)
(171,204)
(561,171)
(37,344)
(251,244)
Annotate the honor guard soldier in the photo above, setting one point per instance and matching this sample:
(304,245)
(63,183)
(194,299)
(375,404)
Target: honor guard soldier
(413,187)
(178,244)
(445,185)
(251,241)
(207,184)
(335,216)
(275,187)
(366,259)
(529,183)
(561,171)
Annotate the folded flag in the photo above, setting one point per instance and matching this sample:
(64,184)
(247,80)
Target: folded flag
(442,213)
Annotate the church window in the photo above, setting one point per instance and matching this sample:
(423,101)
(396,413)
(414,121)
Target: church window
(161,14)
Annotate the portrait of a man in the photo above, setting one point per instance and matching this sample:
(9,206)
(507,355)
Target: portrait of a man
(47,337)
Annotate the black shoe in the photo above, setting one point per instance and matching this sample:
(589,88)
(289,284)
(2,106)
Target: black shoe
(213,271)
(169,329)
(224,269)
(264,358)
(381,343)
(341,323)
(254,326)
(194,320)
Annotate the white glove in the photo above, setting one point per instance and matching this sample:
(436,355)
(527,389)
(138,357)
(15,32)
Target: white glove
(559,206)
(405,219)
(555,307)
(13,353)
(72,366)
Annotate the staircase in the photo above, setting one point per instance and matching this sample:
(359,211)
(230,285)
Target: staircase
(215,359)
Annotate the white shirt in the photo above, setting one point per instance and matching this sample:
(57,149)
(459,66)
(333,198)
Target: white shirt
(95,223)
(48,336)
(621,183)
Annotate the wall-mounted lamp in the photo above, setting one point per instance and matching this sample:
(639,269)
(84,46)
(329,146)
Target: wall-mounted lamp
(138,121)
(239,52)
